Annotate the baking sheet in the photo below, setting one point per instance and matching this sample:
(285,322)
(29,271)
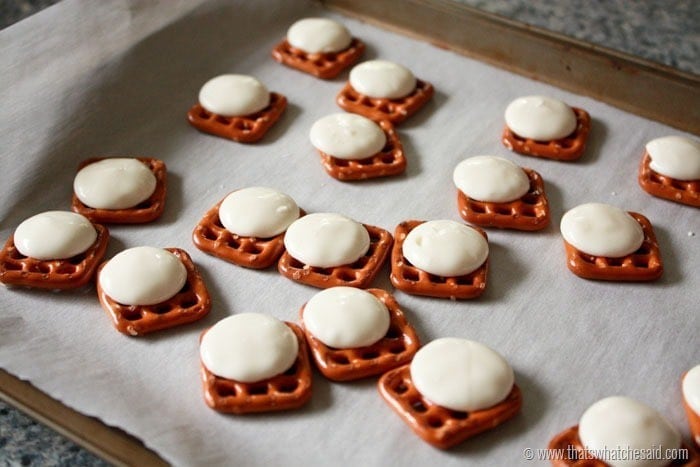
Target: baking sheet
(89,79)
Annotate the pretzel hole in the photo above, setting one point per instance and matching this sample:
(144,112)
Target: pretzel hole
(400,388)
(640,262)
(654,177)
(386,108)
(66,269)
(339,359)
(288,387)
(504,210)
(565,143)
(223,120)
(346,275)
(369,355)
(12,266)
(232,242)
(615,261)
(144,204)
(528,211)
(397,349)
(464,280)
(76,260)
(225,390)
(161,308)
(530,198)
(360,263)
(392,333)
(459,415)
(209,234)
(587,258)
(43,268)
(437,279)
(418,406)
(243,125)
(189,302)
(325,271)
(291,370)
(388,158)
(341,163)
(477,208)
(131,314)
(257,389)
(643,250)
(679,185)
(435,422)
(411,274)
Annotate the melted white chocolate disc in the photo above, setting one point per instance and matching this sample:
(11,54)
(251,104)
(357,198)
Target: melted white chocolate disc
(143,275)
(346,317)
(461,374)
(621,422)
(601,230)
(234,95)
(445,248)
(319,35)
(326,240)
(257,212)
(675,156)
(691,389)
(347,136)
(540,118)
(491,179)
(382,79)
(54,235)
(249,347)
(114,183)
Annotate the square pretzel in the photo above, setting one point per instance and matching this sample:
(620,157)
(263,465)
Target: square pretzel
(359,274)
(289,390)
(437,425)
(415,281)
(146,211)
(57,274)
(387,162)
(642,265)
(190,304)
(569,148)
(322,65)
(680,191)
(529,212)
(396,348)
(245,129)
(394,110)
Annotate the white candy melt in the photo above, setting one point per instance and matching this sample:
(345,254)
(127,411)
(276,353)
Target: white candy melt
(460,374)
(382,79)
(319,35)
(234,95)
(248,347)
(143,275)
(257,212)
(326,240)
(675,156)
(691,389)
(445,248)
(346,317)
(347,136)
(540,118)
(115,183)
(621,422)
(491,179)
(601,230)
(54,235)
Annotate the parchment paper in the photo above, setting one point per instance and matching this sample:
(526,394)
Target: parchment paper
(85,79)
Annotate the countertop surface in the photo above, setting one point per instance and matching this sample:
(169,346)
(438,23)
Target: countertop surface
(667,32)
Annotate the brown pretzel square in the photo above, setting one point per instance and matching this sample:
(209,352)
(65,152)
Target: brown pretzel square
(190,304)
(642,265)
(437,425)
(394,110)
(322,65)
(59,274)
(245,129)
(412,280)
(286,391)
(359,274)
(680,191)
(569,148)
(146,211)
(529,212)
(389,161)
(396,348)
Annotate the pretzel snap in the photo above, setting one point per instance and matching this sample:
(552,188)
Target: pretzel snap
(59,274)
(286,391)
(190,304)
(322,65)
(530,212)
(414,281)
(643,265)
(245,129)
(564,149)
(680,191)
(377,109)
(359,274)
(396,348)
(440,426)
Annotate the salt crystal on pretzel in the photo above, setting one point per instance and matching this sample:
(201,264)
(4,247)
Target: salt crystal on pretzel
(670,169)
(690,387)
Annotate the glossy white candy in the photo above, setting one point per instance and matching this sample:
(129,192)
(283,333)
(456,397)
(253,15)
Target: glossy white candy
(382,79)
(540,118)
(346,317)
(347,136)
(257,212)
(461,374)
(54,235)
(601,230)
(630,425)
(326,240)
(143,275)
(445,248)
(115,183)
(319,35)
(675,156)
(249,347)
(691,389)
(491,179)
(234,95)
